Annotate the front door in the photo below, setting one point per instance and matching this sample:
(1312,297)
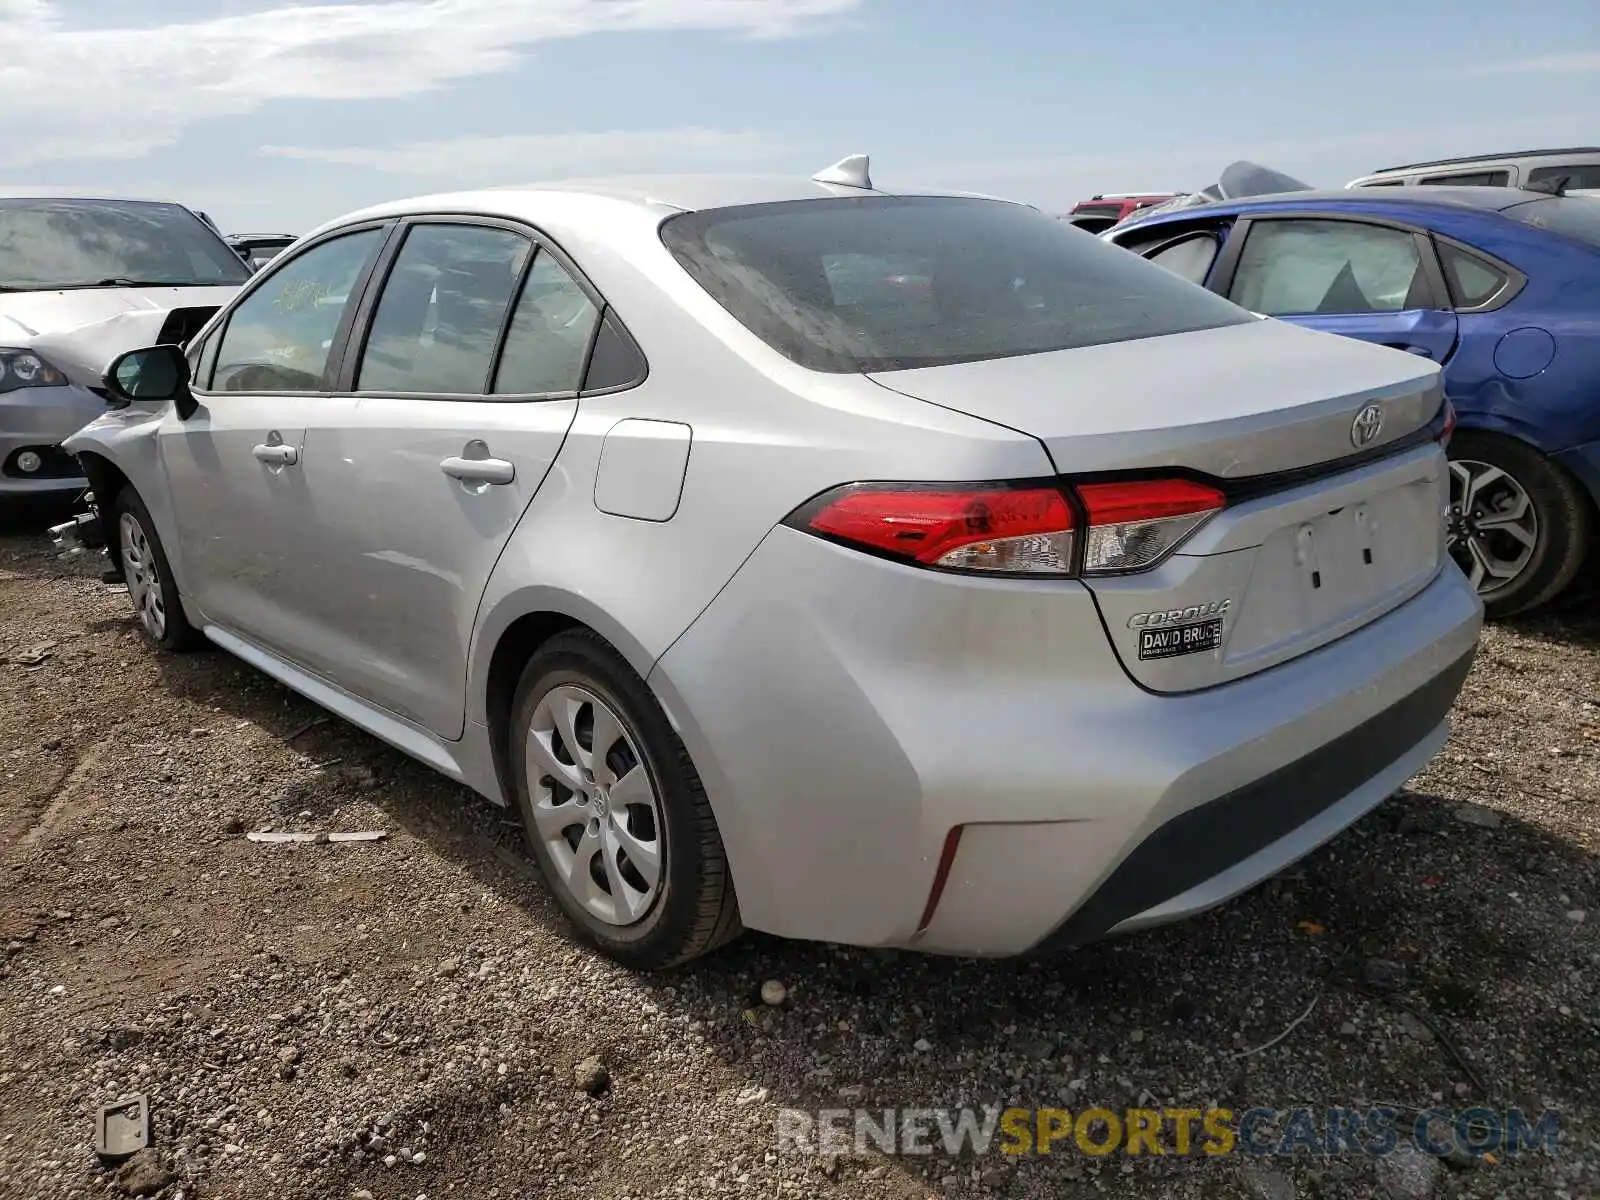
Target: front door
(1373,282)
(236,467)
(425,465)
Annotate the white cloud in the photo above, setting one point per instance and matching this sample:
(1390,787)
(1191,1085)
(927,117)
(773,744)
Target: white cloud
(548,156)
(118,93)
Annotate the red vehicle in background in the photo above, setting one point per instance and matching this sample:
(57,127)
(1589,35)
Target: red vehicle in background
(1102,212)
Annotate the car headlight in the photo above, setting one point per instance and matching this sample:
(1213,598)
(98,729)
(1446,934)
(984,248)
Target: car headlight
(25,369)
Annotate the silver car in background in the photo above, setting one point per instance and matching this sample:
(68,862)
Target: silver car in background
(891,569)
(83,278)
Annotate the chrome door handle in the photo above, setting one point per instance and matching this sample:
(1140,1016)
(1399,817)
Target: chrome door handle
(276,454)
(478,470)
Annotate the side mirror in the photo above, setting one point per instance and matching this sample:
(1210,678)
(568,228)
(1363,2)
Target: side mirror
(153,375)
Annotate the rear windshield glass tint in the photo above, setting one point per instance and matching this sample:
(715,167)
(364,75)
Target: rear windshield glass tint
(891,283)
(1576,216)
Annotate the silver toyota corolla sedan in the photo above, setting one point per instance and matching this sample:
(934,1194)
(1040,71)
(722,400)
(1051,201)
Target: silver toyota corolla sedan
(83,278)
(892,569)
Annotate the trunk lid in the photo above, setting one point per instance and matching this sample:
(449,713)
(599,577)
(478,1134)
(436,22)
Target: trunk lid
(1251,399)
(1291,563)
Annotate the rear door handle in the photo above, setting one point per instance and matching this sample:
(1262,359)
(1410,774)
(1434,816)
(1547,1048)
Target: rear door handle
(276,454)
(478,470)
(1420,351)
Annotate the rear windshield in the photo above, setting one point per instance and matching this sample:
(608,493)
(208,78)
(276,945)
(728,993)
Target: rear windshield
(891,283)
(49,244)
(1576,216)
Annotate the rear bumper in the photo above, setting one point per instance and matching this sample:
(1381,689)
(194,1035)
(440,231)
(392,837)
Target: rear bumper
(1216,850)
(846,714)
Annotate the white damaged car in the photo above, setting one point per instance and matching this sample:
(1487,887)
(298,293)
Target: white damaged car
(83,279)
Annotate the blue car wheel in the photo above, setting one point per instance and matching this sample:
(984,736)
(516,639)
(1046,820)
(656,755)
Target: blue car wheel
(1519,526)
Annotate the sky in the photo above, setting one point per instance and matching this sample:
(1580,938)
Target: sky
(276,115)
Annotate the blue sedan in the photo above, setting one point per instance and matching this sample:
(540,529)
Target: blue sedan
(1499,286)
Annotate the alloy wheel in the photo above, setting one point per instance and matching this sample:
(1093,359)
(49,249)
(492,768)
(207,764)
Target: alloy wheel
(595,805)
(144,582)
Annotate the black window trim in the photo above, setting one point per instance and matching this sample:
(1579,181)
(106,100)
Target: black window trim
(1226,267)
(1509,290)
(206,347)
(358,289)
(354,344)
(1164,232)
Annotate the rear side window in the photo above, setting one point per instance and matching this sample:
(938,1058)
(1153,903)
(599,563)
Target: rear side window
(548,341)
(1585,175)
(442,309)
(1189,257)
(1472,281)
(1317,266)
(1470,179)
(888,283)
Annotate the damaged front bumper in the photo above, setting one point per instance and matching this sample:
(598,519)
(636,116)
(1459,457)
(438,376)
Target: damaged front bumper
(86,532)
(79,534)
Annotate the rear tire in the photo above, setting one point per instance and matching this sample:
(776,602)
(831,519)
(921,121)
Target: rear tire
(622,831)
(1520,526)
(151,586)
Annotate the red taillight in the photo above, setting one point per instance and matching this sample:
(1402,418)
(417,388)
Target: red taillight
(1449,423)
(1016,530)
(1146,500)
(1134,524)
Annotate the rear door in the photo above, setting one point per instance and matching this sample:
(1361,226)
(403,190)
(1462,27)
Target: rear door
(1377,282)
(459,386)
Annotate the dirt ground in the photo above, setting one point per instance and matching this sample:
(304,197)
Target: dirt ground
(402,1018)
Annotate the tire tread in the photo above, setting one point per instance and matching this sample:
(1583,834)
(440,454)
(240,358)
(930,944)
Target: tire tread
(1566,518)
(181,637)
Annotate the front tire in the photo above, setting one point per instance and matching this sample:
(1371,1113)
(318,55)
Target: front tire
(614,810)
(145,569)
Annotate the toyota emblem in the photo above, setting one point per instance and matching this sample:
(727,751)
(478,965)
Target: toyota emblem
(1366,426)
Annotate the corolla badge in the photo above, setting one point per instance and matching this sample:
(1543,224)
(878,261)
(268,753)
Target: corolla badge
(1176,616)
(1367,425)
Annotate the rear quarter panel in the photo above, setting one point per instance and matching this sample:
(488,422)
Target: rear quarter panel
(766,435)
(1557,407)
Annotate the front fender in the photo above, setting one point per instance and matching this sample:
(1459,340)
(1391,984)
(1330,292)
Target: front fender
(126,443)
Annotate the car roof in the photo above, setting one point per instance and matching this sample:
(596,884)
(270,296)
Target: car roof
(1472,159)
(260,237)
(1484,199)
(14,192)
(657,196)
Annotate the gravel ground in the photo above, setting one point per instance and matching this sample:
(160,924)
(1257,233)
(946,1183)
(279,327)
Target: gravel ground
(404,1018)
